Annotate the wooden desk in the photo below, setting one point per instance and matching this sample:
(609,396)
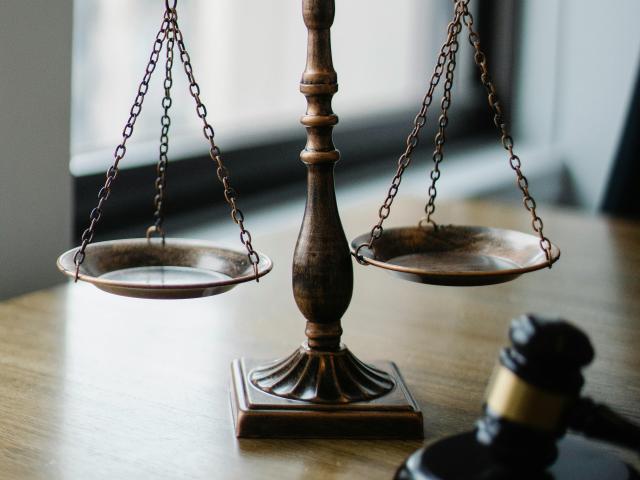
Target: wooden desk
(96,386)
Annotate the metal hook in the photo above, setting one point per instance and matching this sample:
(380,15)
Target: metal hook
(359,258)
(155,229)
(427,222)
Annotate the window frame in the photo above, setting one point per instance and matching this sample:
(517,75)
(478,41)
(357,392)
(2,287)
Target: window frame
(367,144)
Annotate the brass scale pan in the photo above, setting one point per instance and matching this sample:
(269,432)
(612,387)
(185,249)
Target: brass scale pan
(178,269)
(455,255)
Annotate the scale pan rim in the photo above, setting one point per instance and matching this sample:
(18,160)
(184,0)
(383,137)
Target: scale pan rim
(197,248)
(482,237)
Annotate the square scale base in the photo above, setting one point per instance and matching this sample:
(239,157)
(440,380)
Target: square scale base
(258,414)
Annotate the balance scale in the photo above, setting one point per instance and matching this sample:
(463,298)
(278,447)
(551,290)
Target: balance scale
(321,389)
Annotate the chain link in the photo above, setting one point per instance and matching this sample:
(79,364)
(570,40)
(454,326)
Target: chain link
(121,149)
(221,171)
(443,121)
(413,139)
(505,138)
(165,122)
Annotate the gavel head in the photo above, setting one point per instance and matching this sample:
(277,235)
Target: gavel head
(535,385)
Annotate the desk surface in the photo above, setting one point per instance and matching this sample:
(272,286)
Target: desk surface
(97,386)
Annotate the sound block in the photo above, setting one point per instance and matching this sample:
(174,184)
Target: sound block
(461,457)
(258,414)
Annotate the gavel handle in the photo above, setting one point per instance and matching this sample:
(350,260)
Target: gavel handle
(600,422)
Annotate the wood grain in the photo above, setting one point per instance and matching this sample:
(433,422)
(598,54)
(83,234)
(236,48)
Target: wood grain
(94,386)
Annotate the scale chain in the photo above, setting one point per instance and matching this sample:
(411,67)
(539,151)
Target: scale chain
(461,13)
(165,121)
(169,30)
(413,139)
(505,138)
(121,149)
(443,121)
(221,171)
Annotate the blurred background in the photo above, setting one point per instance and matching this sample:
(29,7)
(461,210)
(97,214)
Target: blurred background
(566,71)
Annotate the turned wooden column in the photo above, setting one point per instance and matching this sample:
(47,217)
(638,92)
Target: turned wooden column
(322,269)
(322,370)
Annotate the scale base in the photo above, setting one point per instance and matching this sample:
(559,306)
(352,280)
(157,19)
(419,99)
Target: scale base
(257,414)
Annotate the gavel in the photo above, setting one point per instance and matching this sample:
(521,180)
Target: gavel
(532,401)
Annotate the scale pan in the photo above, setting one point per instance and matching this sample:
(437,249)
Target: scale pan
(179,269)
(455,255)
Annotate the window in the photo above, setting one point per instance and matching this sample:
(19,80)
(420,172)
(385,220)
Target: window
(247,56)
